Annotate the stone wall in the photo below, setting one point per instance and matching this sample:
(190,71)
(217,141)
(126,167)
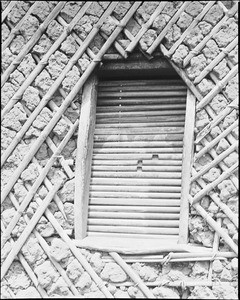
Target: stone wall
(18,283)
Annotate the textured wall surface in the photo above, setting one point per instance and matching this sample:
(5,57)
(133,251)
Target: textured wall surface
(49,49)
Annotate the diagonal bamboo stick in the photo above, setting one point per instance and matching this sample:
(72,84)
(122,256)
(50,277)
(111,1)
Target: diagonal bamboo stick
(41,64)
(68,100)
(56,84)
(216,60)
(213,184)
(215,29)
(167,27)
(83,261)
(36,184)
(215,225)
(215,161)
(22,239)
(216,120)
(16,29)
(216,140)
(27,268)
(146,26)
(8,9)
(195,21)
(32,41)
(182,74)
(219,86)
(133,275)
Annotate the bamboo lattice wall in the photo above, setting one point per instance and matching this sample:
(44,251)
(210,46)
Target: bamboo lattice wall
(49,50)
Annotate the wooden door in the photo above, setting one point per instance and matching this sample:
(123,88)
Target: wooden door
(136,172)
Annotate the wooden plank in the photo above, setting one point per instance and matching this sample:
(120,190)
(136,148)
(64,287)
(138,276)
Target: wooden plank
(137,101)
(188,143)
(136,144)
(124,156)
(141,82)
(132,194)
(133,215)
(117,123)
(138,87)
(142,120)
(134,201)
(125,138)
(133,229)
(138,174)
(136,181)
(129,162)
(142,168)
(141,94)
(84,156)
(134,209)
(122,108)
(137,150)
(135,223)
(127,188)
(139,113)
(166,130)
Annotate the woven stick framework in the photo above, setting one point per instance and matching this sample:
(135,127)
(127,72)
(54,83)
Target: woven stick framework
(111,37)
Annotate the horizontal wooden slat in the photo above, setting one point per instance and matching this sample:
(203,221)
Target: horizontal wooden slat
(133,215)
(136,101)
(137,223)
(154,162)
(97,199)
(139,113)
(157,120)
(132,229)
(137,150)
(135,237)
(140,131)
(129,174)
(136,144)
(135,181)
(138,87)
(125,138)
(118,124)
(124,156)
(135,108)
(117,194)
(141,94)
(127,188)
(133,208)
(142,82)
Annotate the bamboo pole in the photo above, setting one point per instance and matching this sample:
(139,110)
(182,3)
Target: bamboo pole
(57,83)
(137,251)
(26,267)
(146,26)
(117,46)
(16,29)
(37,183)
(219,86)
(157,41)
(215,226)
(32,42)
(188,142)
(216,120)
(76,253)
(214,30)
(69,98)
(211,144)
(215,161)
(133,275)
(182,74)
(216,60)
(228,212)
(22,239)
(213,184)
(8,9)
(195,22)
(41,64)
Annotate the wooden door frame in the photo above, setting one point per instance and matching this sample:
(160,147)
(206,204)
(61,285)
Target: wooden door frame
(84,160)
